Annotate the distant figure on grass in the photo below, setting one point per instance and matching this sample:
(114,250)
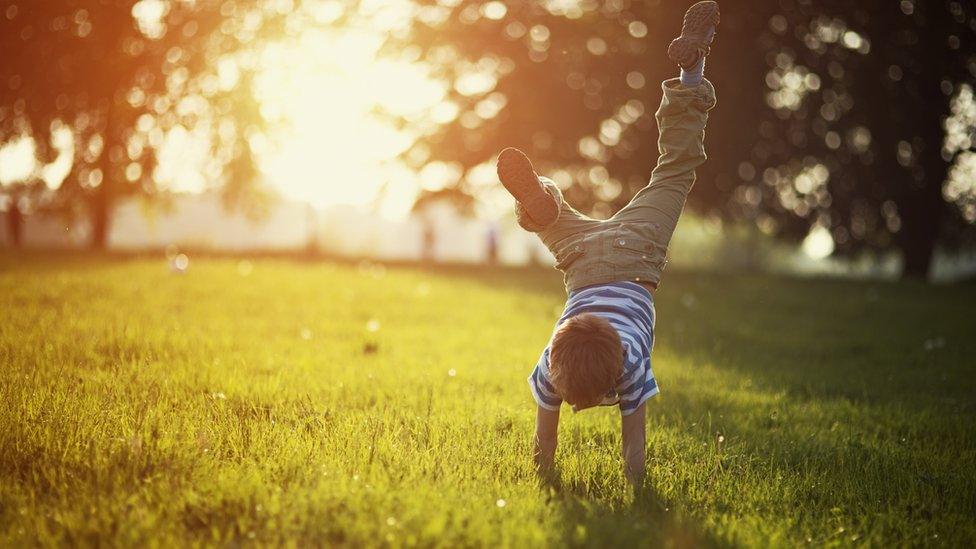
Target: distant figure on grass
(491,244)
(600,351)
(429,241)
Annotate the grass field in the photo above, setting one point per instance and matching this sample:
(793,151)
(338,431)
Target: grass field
(280,402)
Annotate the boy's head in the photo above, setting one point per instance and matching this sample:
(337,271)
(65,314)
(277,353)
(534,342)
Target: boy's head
(585,360)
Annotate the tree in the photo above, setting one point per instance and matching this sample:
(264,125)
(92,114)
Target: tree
(121,75)
(865,89)
(812,127)
(547,82)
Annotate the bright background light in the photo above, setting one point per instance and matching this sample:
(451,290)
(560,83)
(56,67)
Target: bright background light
(333,148)
(818,244)
(330,94)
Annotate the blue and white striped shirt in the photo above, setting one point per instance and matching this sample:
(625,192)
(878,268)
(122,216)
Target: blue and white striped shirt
(629,308)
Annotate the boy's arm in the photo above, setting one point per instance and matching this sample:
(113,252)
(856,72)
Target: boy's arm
(633,438)
(546,431)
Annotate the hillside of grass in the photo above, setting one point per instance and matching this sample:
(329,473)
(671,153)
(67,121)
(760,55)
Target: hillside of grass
(275,401)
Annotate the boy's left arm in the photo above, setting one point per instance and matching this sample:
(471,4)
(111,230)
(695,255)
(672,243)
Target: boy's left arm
(633,439)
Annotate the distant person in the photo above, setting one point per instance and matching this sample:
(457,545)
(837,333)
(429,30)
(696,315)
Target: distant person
(600,351)
(491,243)
(15,222)
(429,243)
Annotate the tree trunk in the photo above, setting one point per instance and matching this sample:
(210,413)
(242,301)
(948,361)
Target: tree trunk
(15,222)
(99,207)
(918,252)
(923,208)
(100,201)
(922,221)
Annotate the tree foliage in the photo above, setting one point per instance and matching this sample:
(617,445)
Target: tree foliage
(879,120)
(857,117)
(121,75)
(830,113)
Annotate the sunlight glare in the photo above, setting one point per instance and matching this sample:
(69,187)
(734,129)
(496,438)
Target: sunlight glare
(818,244)
(17,161)
(333,148)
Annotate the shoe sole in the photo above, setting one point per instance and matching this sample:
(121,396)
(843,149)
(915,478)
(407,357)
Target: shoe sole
(519,178)
(684,49)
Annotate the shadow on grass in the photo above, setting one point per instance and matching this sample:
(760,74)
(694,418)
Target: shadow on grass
(902,344)
(595,520)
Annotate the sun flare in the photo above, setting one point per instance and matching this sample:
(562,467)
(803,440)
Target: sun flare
(332,147)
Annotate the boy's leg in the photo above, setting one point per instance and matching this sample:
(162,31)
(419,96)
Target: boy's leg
(681,121)
(569,221)
(540,207)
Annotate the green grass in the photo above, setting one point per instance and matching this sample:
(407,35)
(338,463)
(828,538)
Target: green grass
(141,407)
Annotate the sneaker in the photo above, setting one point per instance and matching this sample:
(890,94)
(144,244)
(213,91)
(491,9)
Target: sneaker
(519,178)
(697,33)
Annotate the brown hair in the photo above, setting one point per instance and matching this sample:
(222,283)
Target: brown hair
(585,359)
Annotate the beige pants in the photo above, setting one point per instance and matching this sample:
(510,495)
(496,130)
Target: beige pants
(633,244)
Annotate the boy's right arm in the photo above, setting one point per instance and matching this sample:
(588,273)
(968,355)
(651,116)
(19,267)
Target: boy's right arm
(546,434)
(633,437)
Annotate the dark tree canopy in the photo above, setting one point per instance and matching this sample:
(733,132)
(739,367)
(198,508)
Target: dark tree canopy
(888,73)
(830,113)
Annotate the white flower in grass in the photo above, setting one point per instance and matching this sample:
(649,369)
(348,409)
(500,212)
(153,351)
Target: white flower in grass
(934,343)
(306,334)
(452,372)
(179,264)
(500,503)
(373,325)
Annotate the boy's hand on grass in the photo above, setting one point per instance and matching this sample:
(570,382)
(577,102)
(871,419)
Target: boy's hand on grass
(546,436)
(633,439)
